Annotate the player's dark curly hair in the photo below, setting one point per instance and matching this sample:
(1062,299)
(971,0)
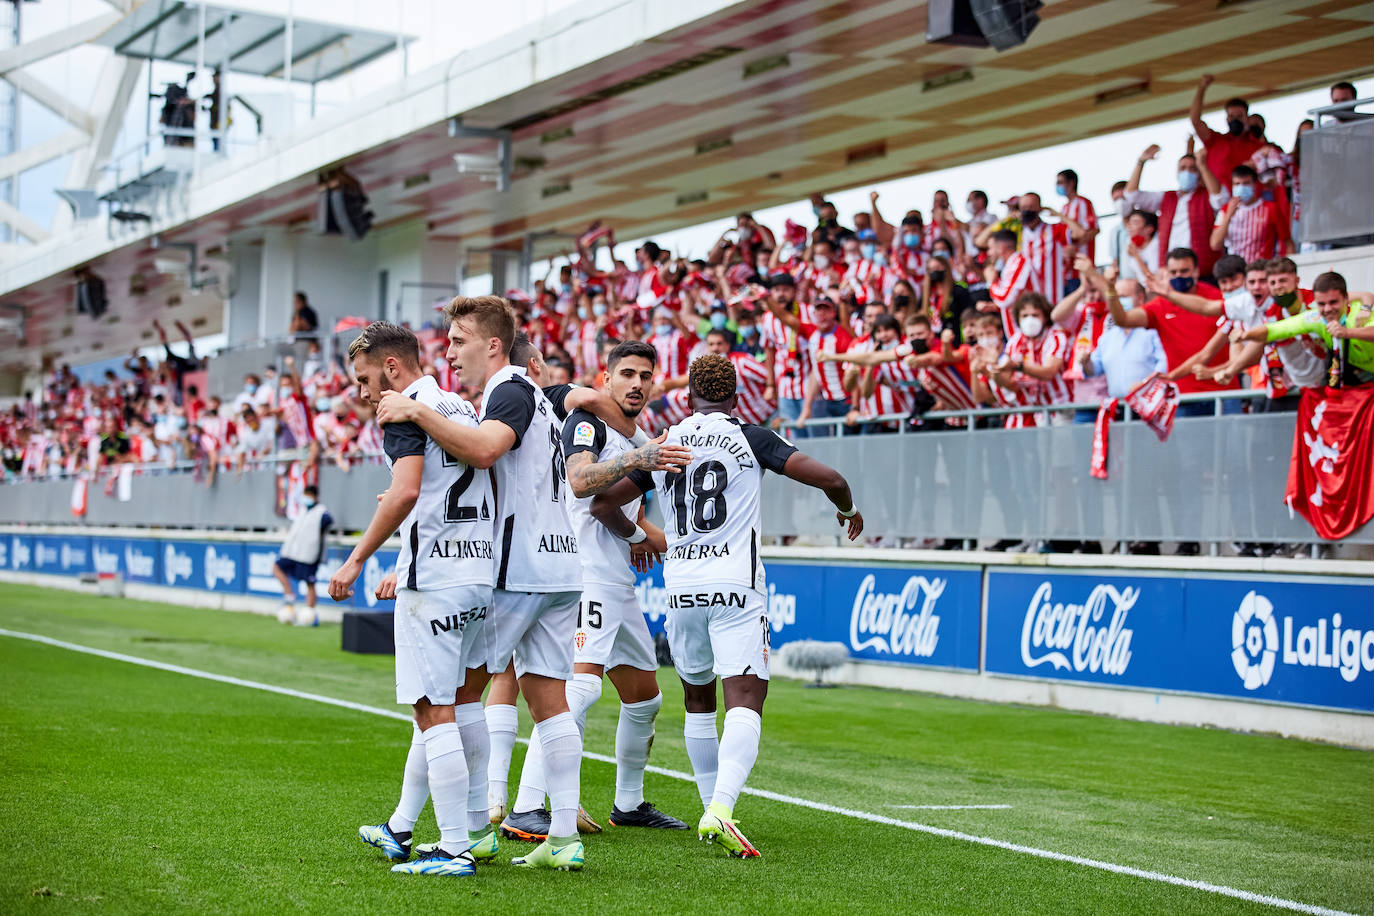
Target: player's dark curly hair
(712,378)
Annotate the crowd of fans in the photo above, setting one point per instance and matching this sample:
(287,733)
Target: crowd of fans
(873,318)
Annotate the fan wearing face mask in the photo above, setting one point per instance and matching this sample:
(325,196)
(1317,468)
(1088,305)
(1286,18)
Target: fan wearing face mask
(1039,351)
(1184,216)
(1250,226)
(1231,147)
(1182,333)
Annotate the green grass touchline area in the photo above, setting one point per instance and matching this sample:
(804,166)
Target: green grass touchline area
(134,789)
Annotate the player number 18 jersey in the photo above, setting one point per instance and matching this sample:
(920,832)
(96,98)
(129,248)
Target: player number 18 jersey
(711,509)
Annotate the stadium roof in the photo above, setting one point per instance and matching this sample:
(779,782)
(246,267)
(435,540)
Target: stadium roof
(653,116)
(253,43)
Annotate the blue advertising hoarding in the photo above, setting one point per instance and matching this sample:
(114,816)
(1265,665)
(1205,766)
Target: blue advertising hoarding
(905,614)
(1274,639)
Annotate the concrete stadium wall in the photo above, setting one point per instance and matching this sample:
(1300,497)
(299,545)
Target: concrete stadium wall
(1273,645)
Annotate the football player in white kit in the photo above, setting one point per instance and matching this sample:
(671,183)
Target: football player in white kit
(444,509)
(717,611)
(612,636)
(538,571)
(531,822)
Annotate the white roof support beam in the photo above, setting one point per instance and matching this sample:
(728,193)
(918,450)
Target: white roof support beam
(39,153)
(118,78)
(52,99)
(21,223)
(56,42)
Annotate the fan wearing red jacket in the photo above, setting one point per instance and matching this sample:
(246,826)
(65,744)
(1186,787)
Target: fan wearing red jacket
(1181,333)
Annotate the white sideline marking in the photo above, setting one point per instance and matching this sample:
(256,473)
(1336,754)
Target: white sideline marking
(1161,877)
(952,807)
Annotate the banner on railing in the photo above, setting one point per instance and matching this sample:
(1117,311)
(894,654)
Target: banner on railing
(227,567)
(1284,640)
(908,615)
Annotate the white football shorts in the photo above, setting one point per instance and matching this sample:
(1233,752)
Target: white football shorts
(611,629)
(534,628)
(717,631)
(439,635)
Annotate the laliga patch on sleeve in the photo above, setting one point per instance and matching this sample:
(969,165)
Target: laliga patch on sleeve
(584,434)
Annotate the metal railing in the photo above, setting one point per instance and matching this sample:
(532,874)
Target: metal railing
(971,416)
(1216,480)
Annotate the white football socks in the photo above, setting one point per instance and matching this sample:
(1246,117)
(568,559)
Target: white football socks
(414,786)
(739,748)
(703,750)
(503,723)
(583,691)
(563,768)
(531,794)
(472,727)
(633,733)
(448,785)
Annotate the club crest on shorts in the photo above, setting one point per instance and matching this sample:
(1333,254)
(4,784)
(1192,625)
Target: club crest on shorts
(584,434)
(580,639)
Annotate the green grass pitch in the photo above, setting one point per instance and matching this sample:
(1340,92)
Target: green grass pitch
(128,789)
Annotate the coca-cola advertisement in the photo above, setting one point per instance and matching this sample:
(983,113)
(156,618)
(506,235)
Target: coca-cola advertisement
(1246,637)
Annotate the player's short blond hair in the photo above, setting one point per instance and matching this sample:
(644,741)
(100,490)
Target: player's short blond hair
(712,378)
(492,316)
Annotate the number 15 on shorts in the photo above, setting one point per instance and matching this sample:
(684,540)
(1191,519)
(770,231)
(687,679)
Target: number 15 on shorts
(589,615)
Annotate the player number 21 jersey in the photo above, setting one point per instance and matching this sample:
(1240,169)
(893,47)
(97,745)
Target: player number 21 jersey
(711,509)
(446,538)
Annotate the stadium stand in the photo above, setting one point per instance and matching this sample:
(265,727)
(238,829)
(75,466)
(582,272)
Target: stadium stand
(989,319)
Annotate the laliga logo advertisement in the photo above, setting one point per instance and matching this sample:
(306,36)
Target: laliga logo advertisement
(372,577)
(175,565)
(219,567)
(21,553)
(896,623)
(1261,655)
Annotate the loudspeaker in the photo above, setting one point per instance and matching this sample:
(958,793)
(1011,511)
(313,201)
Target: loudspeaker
(1001,24)
(1006,23)
(368,632)
(951,22)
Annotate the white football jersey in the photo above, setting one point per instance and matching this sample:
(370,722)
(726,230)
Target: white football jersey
(536,550)
(446,540)
(711,509)
(605,557)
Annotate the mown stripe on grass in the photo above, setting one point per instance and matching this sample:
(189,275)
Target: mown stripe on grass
(869,816)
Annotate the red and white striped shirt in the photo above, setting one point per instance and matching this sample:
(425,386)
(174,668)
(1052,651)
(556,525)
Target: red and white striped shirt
(651,290)
(1045,247)
(1081,211)
(1255,231)
(751,379)
(791,361)
(1025,392)
(909,263)
(1011,283)
(830,374)
(674,353)
(867,279)
(947,383)
(893,393)
(1051,344)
